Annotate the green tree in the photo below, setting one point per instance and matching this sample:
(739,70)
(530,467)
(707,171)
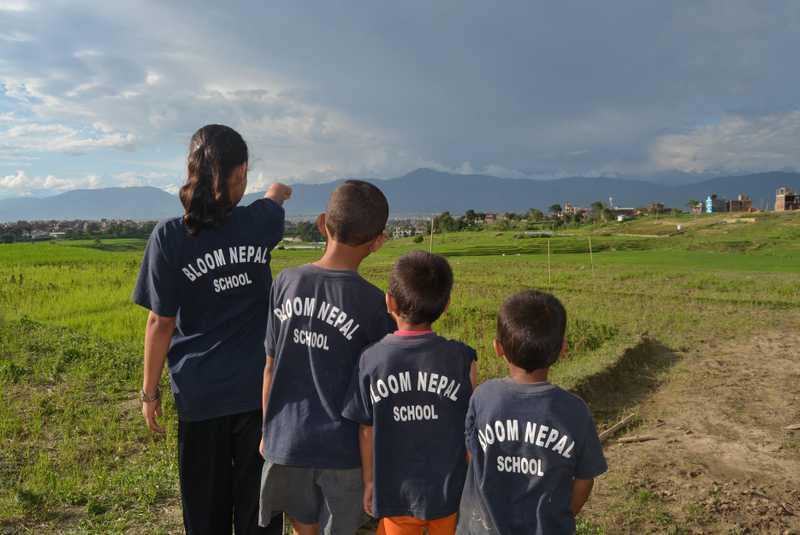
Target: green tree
(308,231)
(534,214)
(597,208)
(554,209)
(444,222)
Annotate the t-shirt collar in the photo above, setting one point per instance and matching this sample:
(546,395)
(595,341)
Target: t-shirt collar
(404,332)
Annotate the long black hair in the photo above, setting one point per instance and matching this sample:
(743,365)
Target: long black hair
(214,152)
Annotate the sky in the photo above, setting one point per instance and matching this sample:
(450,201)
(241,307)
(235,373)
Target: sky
(98,93)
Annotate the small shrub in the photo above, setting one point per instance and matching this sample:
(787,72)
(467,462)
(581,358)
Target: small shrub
(11,372)
(583,335)
(30,502)
(96,507)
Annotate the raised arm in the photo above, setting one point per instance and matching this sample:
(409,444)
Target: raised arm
(278,192)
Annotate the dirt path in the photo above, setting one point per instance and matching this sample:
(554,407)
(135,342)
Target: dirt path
(721,459)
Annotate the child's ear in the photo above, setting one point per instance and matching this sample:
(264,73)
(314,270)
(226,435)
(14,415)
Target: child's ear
(498,348)
(391,304)
(564,348)
(321,226)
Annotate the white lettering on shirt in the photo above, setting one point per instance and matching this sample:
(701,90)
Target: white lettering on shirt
(212,260)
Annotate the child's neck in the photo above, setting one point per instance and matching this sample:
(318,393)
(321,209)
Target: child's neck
(342,257)
(406,326)
(521,376)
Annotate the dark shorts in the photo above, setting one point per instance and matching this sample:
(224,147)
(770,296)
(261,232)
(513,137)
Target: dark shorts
(329,497)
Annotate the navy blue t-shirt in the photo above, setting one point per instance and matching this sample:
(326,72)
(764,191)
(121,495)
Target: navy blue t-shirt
(320,320)
(216,285)
(528,442)
(414,391)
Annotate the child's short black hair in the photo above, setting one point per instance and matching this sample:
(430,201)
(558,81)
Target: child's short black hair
(356,213)
(420,284)
(530,327)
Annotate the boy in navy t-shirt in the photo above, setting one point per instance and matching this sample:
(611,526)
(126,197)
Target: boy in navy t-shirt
(533,446)
(410,394)
(321,316)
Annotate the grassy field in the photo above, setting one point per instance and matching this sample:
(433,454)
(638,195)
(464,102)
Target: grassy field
(75,456)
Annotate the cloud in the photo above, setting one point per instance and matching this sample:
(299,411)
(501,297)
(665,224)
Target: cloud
(20,184)
(735,144)
(321,91)
(54,137)
(15,5)
(16,37)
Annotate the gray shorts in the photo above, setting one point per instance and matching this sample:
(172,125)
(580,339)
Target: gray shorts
(329,497)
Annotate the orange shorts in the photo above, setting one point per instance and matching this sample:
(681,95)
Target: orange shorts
(408,525)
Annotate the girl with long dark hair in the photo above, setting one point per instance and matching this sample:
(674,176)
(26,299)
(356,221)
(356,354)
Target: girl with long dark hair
(205,278)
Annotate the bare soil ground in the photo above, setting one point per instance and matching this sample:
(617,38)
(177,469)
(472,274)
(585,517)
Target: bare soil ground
(719,458)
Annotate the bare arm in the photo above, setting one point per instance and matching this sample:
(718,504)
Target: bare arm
(365,445)
(473,374)
(278,192)
(157,336)
(265,386)
(581,489)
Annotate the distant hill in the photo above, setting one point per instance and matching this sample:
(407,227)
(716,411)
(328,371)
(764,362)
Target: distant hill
(426,191)
(109,203)
(423,191)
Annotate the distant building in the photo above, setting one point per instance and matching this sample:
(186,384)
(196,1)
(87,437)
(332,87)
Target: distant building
(698,208)
(570,210)
(786,199)
(403,232)
(57,235)
(490,218)
(743,203)
(40,235)
(618,210)
(715,204)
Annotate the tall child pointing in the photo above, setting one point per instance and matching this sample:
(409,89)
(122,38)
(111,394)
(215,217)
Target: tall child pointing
(204,278)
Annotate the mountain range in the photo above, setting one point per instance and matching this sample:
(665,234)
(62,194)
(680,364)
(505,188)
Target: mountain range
(423,191)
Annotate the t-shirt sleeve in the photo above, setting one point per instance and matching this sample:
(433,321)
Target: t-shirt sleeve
(157,285)
(357,402)
(273,325)
(590,462)
(270,219)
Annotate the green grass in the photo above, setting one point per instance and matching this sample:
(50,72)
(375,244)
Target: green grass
(75,456)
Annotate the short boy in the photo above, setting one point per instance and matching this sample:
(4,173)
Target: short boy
(534,447)
(410,394)
(322,315)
